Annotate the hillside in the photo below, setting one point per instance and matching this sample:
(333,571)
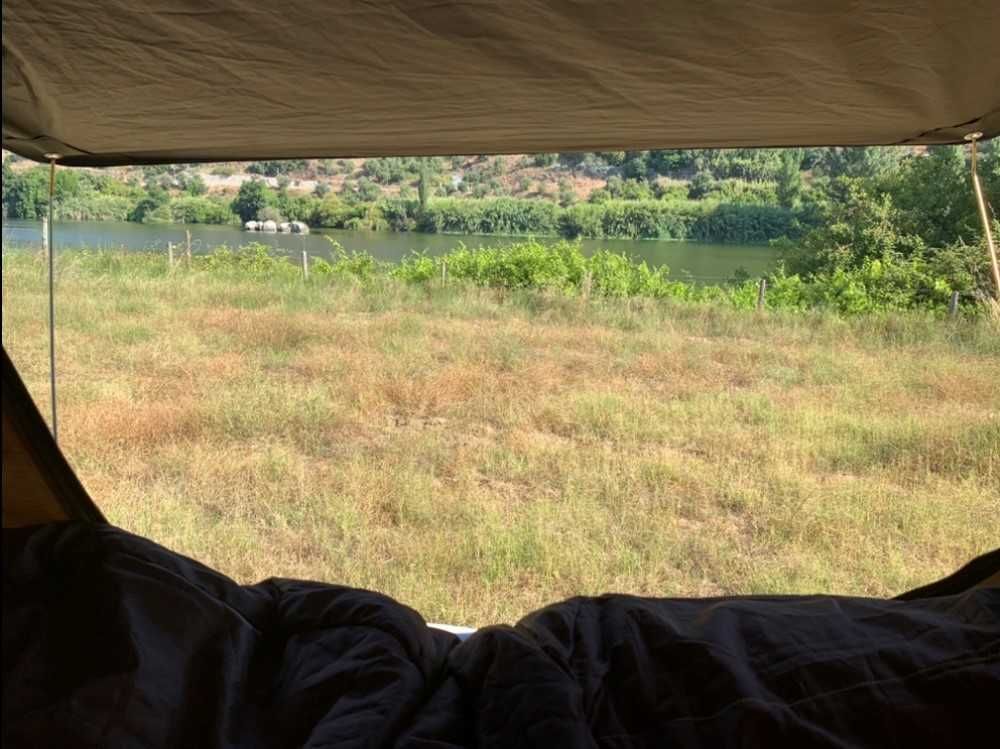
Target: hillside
(563,178)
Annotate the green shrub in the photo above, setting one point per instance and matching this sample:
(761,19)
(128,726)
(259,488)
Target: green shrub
(504,216)
(417,267)
(743,223)
(254,260)
(201,210)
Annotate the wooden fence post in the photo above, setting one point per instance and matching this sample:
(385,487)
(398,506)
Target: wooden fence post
(761,292)
(305,265)
(170,255)
(187,233)
(45,235)
(953,305)
(444,271)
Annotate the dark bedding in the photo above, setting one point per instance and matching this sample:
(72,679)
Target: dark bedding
(110,640)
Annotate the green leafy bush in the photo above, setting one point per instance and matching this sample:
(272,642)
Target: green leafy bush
(505,216)
(200,210)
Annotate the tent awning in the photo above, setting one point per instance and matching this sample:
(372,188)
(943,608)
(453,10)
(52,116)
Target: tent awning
(106,82)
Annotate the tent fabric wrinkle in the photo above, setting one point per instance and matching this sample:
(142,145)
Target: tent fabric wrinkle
(145,81)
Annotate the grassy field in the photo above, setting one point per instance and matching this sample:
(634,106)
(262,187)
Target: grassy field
(478,455)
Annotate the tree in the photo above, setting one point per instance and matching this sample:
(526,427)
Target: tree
(195,185)
(367,190)
(871,162)
(274,168)
(671,163)
(612,158)
(856,224)
(25,194)
(572,160)
(790,178)
(933,193)
(700,185)
(148,209)
(424,189)
(567,195)
(636,165)
(254,196)
(8,179)
(271,213)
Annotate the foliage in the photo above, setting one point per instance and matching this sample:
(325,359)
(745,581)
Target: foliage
(400,214)
(743,223)
(25,194)
(359,265)
(274,168)
(506,216)
(152,209)
(701,184)
(297,207)
(362,190)
(253,197)
(933,195)
(875,285)
(97,207)
(617,188)
(789,178)
(255,260)
(193,184)
(200,210)
(868,162)
(855,224)
(271,213)
(740,191)
(567,196)
(544,159)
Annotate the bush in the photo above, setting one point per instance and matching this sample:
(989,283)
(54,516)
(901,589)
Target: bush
(399,214)
(274,168)
(360,265)
(875,286)
(331,213)
(417,267)
(742,192)
(253,197)
(254,260)
(647,219)
(743,223)
(95,207)
(200,210)
(520,265)
(505,216)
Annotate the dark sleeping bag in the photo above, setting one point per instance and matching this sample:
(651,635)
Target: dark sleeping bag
(112,641)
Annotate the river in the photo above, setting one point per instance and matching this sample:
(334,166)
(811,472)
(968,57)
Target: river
(701,261)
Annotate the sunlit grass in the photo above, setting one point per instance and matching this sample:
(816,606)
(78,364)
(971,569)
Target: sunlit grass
(478,456)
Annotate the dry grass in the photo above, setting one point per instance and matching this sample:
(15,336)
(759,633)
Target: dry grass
(477,459)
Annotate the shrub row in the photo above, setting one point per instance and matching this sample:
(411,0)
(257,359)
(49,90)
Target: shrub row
(560,267)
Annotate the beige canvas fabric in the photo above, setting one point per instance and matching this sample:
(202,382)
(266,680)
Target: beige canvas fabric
(132,81)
